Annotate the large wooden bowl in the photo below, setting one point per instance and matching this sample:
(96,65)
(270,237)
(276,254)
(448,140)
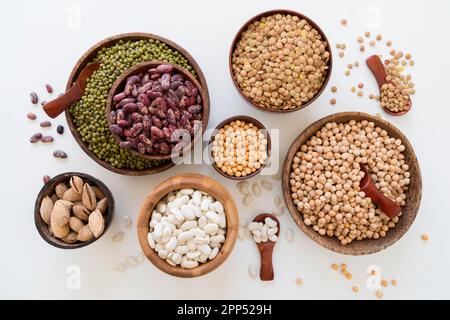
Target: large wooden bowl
(88,57)
(199,182)
(413,194)
(49,188)
(260,126)
(258,17)
(143,67)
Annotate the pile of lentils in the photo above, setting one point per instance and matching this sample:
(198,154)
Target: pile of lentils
(280,62)
(89,113)
(326,173)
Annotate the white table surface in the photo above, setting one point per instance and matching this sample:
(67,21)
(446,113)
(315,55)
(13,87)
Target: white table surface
(43,39)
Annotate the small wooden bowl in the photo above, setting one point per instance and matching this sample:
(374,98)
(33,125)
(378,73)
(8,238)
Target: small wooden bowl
(246,119)
(89,57)
(199,182)
(49,188)
(143,67)
(258,17)
(413,194)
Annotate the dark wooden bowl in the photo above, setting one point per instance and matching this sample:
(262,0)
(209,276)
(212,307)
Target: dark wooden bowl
(88,57)
(269,13)
(49,188)
(413,194)
(119,85)
(199,182)
(246,119)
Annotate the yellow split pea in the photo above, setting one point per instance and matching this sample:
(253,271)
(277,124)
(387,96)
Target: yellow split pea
(239,148)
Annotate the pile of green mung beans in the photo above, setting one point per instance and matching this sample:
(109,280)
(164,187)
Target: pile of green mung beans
(89,113)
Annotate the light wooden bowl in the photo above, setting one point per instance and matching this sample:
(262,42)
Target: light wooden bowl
(88,57)
(413,194)
(49,188)
(258,17)
(199,182)
(143,67)
(259,125)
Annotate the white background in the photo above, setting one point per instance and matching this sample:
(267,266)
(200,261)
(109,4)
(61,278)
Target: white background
(41,42)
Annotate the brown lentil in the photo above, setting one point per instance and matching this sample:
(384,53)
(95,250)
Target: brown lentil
(388,43)
(333,101)
(344,22)
(425,237)
(333,89)
(367,34)
(379,37)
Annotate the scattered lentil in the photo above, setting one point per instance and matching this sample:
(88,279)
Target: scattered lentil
(379,37)
(389,43)
(353,89)
(360,39)
(384,283)
(333,101)
(298,282)
(408,56)
(394,282)
(367,34)
(344,22)
(372,43)
(379,294)
(356,63)
(341,54)
(347,73)
(335,266)
(425,237)
(362,48)
(360,93)
(350,66)
(360,85)
(355,289)
(333,89)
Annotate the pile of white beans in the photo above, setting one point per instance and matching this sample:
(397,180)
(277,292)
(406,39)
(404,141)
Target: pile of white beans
(263,232)
(187,228)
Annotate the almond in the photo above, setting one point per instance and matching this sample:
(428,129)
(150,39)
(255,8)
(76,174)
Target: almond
(60,189)
(85,234)
(98,192)
(75,224)
(88,197)
(60,215)
(77,184)
(46,209)
(71,238)
(81,212)
(71,195)
(96,223)
(60,231)
(102,205)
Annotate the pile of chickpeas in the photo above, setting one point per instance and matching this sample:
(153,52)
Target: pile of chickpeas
(326,173)
(280,62)
(239,148)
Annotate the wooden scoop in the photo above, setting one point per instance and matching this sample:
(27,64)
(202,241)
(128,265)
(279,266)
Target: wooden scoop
(389,207)
(266,249)
(376,66)
(55,107)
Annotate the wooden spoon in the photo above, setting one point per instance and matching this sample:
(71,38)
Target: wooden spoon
(389,207)
(55,107)
(266,249)
(376,66)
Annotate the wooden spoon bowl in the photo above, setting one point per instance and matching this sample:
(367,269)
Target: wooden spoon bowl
(413,194)
(260,126)
(89,57)
(257,18)
(49,188)
(379,72)
(199,182)
(265,249)
(143,67)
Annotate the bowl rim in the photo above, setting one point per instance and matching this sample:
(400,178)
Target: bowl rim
(365,246)
(140,67)
(88,56)
(48,189)
(245,118)
(199,182)
(257,17)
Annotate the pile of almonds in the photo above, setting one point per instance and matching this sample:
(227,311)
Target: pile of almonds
(74,213)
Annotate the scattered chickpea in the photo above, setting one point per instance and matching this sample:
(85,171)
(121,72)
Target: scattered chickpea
(404,62)
(367,34)
(379,294)
(408,56)
(362,48)
(343,46)
(360,85)
(348,276)
(360,93)
(347,72)
(425,237)
(372,43)
(355,289)
(389,43)
(298,282)
(333,101)
(384,283)
(394,282)
(360,39)
(350,66)
(334,266)
(343,266)
(411,63)
(371,96)
(333,89)
(353,89)
(356,63)
(344,22)
(392,52)
(341,54)
(379,37)
(338,46)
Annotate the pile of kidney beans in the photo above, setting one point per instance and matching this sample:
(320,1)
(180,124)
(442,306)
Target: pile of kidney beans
(155,110)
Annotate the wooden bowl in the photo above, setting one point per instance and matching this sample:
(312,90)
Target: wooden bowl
(143,67)
(413,194)
(198,182)
(258,17)
(246,119)
(88,57)
(49,188)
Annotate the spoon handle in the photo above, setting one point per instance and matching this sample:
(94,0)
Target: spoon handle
(266,272)
(55,107)
(385,204)
(376,66)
